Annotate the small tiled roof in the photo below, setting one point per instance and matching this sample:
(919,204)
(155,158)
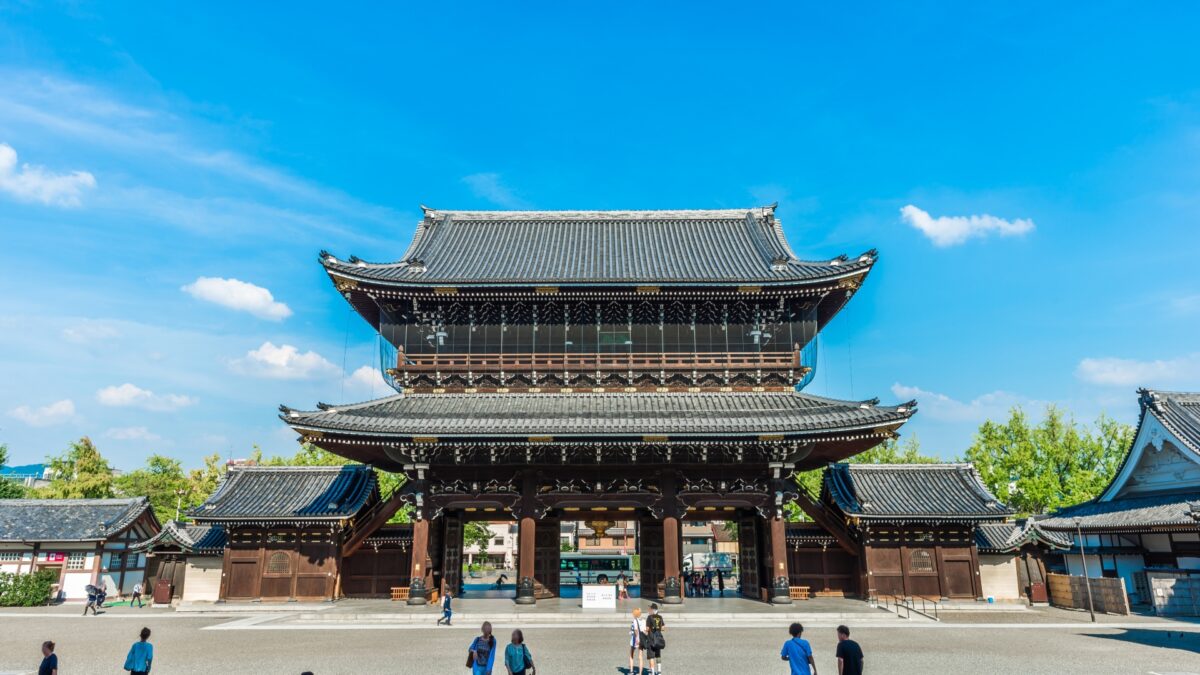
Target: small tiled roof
(289,493)
(1008,537)
(911,492)
(1133,513)
(30,520)
(698,247)
(193,538)
(615,414)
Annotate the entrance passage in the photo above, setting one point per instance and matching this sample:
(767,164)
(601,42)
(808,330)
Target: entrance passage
(599,551)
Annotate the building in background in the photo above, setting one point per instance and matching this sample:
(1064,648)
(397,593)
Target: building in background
(620,538)
(698,538)
(1146,523)
(85,541)
(190,557)
(501,551)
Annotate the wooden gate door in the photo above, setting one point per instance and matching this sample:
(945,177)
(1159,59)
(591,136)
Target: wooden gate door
(243,570)
(546,549)
(452,553)
(749,559)
(650,538)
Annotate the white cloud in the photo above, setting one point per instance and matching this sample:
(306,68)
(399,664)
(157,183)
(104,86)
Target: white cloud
(994,405)
(36,184)
(952,230)
(238,295)
(132,434)
(368,379)
(1185,304)
(132,396)
(283,362)
(47,415)
(87,331)
(1114,372)
(489,186)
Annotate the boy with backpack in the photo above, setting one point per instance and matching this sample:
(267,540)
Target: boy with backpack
(655,642)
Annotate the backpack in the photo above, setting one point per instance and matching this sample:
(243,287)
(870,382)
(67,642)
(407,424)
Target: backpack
(657,642)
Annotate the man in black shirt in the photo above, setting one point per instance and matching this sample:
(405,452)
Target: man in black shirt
(849,654)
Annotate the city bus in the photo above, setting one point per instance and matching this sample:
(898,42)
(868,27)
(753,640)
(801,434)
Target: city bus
(577,569)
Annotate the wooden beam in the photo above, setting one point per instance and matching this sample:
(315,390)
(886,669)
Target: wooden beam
(827,520)
(375,518)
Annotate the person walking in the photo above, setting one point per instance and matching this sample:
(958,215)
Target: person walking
(92,594)
(637,632)
(655,641)
(721,582)
(849,654)
(141,655)
(137,595)
(446,613)
(517,659)
(49,660)
(481,655)
(798,653)
(621,586)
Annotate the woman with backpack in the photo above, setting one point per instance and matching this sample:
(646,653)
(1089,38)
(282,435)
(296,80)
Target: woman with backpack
(482,653)
(637,631)
(517,658)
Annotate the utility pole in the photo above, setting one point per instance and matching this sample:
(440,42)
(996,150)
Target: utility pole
(1087,581)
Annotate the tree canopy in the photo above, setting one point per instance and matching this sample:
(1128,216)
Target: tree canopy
(9,489)
(79,473)
(1057,463)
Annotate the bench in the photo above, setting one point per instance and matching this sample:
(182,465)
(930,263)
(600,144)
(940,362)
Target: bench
(400,593)
(798,592)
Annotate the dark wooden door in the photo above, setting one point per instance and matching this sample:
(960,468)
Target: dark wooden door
(242,583)
(452,553)
(651,541)
(749,559)
(546,549)
(958,578)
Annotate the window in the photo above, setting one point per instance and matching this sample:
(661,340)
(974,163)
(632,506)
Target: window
(498,541)
(920,561)
(75,560)
(116,560)
(279,563)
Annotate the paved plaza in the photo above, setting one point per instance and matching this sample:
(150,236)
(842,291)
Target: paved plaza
(699,641)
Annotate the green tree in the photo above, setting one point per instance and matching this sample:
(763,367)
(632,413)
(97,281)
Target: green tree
(477,534)
(9,489)
(162,481)
(1036,469)
(891,451)
(80,472)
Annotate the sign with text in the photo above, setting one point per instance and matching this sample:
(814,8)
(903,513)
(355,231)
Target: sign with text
(599,596)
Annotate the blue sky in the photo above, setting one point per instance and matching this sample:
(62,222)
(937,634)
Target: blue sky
(150,155)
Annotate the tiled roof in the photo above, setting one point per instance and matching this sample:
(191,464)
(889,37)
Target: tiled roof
(700,414)
(723,247)
(194,538)
(289,493)
(28,520)
(1178,411)
(1129,514)
(1008,537)
(911,492)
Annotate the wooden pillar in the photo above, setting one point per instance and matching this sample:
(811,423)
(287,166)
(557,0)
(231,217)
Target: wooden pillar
(420,558)
(526,531)
(672,546)
(780,583)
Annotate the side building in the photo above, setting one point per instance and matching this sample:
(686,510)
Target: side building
(85,541)
(189,557)
(305,533)
(1146,523)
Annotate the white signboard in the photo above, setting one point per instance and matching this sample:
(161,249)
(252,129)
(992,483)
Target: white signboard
(599,596)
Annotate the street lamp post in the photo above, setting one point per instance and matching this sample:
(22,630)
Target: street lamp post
(1087,581)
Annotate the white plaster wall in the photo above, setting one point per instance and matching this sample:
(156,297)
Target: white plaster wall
(74,582)
(1075,567)
(1157,542)
(202,579)
(998,576)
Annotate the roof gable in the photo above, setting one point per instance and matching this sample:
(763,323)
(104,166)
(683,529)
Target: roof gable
(289,493)
(28,520)
(1164,457)
(725,246)
(911,492)
(192,538)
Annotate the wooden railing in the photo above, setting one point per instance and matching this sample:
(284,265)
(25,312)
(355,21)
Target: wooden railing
(551,362)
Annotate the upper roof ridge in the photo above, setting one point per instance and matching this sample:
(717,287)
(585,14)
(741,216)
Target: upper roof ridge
(613,215)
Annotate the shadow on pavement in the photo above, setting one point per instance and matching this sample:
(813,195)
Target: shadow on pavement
(1188,641)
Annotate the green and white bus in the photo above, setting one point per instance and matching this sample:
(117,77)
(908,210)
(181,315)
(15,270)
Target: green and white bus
(581,568)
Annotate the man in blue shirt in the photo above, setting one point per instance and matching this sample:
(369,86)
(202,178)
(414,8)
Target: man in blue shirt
(798,653)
